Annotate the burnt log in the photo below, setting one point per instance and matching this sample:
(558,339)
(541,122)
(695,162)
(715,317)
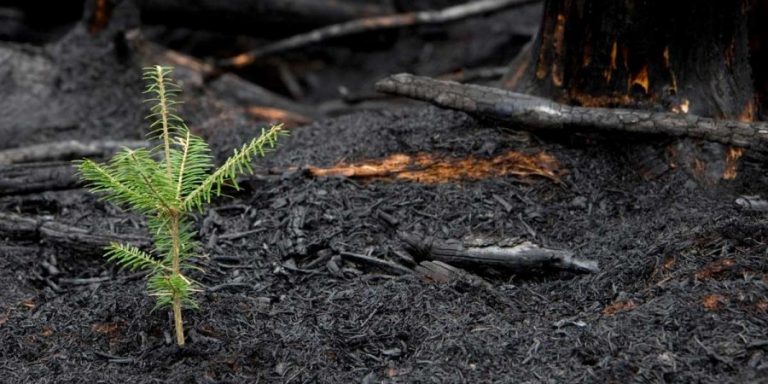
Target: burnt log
(523,256)
(20,179)
(531,112)
(15,227)
(65,150)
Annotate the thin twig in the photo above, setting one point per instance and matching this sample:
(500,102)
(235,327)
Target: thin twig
(369,24)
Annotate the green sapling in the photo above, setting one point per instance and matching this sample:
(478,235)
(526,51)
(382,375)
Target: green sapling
(167,184)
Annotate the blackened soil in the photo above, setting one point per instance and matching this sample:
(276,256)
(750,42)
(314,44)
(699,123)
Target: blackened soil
(682,295)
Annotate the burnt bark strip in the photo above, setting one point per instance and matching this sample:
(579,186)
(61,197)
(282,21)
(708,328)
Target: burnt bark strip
(533,112)
(684,55)
(525,256)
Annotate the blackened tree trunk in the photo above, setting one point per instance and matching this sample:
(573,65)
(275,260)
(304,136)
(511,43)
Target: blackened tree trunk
(684,56)
(680,55)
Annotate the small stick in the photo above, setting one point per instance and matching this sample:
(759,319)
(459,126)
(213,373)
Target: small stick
(369,24)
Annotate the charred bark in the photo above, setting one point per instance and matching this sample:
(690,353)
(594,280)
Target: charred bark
(683,56)
(686,56)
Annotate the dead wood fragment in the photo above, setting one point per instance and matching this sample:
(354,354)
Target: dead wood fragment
(26,228)
(533,112)
(524,256)
(376,262)
(37,177)
(370,24)
(65,150)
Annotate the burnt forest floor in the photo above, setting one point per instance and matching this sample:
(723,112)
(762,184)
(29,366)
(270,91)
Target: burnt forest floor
(682,295)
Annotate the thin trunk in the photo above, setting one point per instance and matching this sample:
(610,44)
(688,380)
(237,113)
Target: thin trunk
(176,271)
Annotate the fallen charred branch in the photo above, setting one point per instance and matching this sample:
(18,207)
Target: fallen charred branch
(523,256)
(20,179)
(371,24)
(32,229)
(532,112)
(65,150)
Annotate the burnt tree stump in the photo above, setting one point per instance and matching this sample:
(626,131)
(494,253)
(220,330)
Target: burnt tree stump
(677,56)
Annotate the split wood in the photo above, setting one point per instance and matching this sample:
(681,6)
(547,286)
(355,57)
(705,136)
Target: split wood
(536,113)
(370,24)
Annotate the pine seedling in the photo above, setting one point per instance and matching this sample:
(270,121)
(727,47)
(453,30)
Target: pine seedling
(167,184)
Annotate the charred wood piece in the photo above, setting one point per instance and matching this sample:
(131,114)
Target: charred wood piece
(65,150)
(524,256)
(370,24)
(21,179)
(533,112)
(16,227)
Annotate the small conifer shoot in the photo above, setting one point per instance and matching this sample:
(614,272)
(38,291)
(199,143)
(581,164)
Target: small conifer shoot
(167,184)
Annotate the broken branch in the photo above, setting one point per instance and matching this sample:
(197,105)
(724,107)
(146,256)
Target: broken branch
(524,256)
(369,24)
(538,113)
